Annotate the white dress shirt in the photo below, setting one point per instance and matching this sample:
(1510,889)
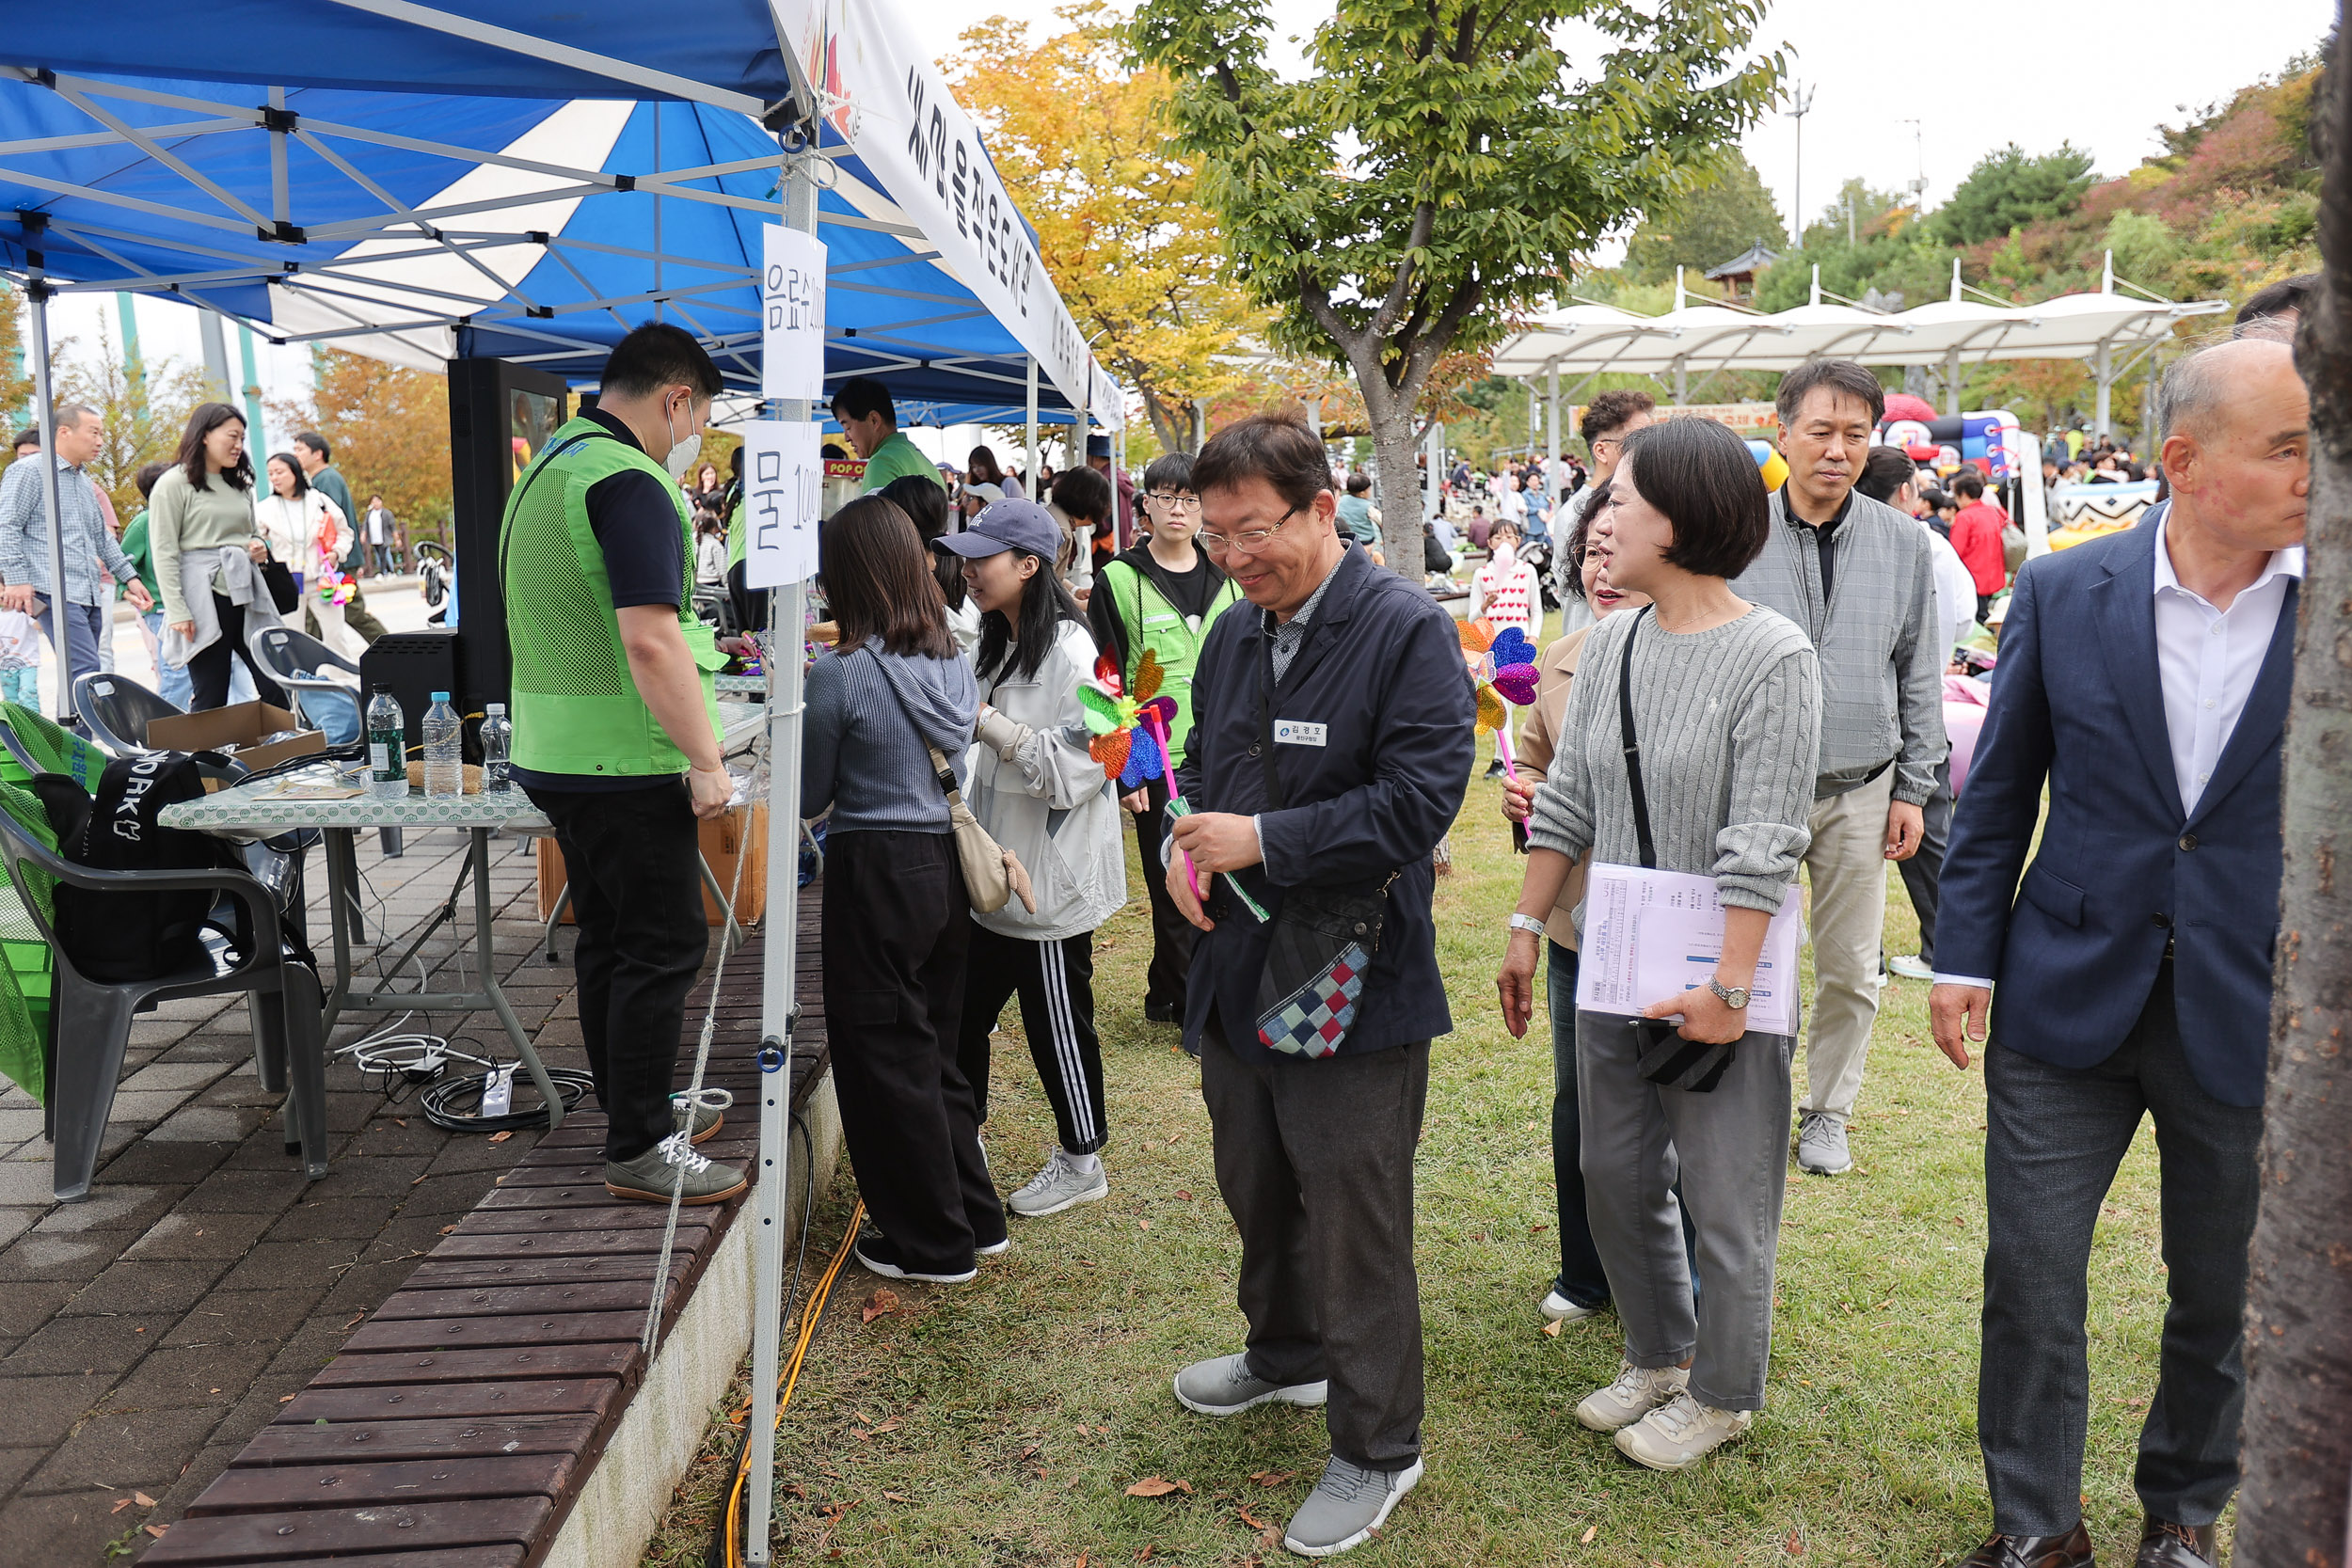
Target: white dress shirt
(2207,660)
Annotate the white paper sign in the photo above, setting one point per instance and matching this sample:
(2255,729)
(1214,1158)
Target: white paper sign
(1649,935)
(792,315)
(783,479)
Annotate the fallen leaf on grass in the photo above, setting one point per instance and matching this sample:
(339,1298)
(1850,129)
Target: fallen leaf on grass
(1157,1487)
(890,1425)
(1794,1546)
(501,1137)
(1183,1196)
(1143,1225)
(142,1499)
(880,1303)
(1145,1555)
(894,1498)
(1273,1477)
(1551,1329)
(1586,1539)
(1252,1520)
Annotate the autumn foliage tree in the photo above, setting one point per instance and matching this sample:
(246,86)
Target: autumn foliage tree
(144,409)
(389,427)
(1079,139)
(1442,166)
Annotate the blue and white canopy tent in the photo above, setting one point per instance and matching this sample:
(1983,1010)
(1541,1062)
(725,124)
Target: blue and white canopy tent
(527,182)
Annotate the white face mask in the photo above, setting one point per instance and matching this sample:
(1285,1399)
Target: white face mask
(682,453)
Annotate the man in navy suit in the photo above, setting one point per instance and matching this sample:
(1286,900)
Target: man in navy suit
(2144,678)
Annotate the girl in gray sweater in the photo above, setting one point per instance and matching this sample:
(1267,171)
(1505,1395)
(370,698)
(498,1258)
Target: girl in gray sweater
(898,920)
(1727,713)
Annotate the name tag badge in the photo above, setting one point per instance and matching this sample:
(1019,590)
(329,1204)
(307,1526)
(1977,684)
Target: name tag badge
(1297,732)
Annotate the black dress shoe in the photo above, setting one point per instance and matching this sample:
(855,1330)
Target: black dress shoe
(2165,1544)
(2071,1550)
(1163,1012)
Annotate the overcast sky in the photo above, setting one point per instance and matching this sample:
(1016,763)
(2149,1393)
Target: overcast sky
(1974,76)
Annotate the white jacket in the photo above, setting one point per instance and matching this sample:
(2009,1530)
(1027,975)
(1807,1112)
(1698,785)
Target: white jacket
(1037,790)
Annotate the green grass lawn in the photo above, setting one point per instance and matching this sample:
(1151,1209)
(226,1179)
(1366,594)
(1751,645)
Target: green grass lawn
(1001,1421)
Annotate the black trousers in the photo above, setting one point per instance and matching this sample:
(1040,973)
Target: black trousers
(1315,1160)
(208,672)
(2053,1139)
(1054,981)
(632,856)
(1924,870)
(1171,933)
(898,928)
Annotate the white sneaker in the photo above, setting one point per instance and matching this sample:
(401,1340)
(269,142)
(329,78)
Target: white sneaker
(1681,1432)
(1637,1391)
(1909,968)
(1560,1309)
(1822,1145)
(1060,1185)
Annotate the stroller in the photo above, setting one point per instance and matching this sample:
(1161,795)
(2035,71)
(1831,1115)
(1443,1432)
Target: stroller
(436,571)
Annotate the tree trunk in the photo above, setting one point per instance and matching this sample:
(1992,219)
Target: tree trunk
(2298,1444)
(1391,416)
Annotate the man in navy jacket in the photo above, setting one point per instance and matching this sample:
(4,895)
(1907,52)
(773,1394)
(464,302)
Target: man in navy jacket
(2144,677)
(1371,731)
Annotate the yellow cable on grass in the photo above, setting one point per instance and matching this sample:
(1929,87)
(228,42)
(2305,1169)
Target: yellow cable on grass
(785,1384)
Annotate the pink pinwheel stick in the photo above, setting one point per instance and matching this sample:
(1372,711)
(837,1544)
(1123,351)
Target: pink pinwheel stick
(1158,727)
(1503,748)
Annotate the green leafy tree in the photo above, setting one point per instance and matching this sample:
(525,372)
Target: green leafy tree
(1706,228)
(2007,190)
(1440,166)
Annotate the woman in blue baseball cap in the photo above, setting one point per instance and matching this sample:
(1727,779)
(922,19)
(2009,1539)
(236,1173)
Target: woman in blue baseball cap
(1041,795)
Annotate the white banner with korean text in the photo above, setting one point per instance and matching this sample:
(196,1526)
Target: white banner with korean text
(792,315)
(783,481)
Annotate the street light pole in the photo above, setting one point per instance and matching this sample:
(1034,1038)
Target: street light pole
(1803,102)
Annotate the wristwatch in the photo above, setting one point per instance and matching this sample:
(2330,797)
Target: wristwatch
(1734,997)
(1528,922)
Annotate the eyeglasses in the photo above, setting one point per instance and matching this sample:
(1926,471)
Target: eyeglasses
(1248,541)
(1174,504)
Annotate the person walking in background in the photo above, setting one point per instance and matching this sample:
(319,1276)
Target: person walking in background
(1507,591)
(1889,475)
(1977,537)
(1608,419)
(171,681)
(889,705)
(73,615)
(1856,576)
(982,467)
(1161,598)
(1729,694)
(312,451)
(1120,534)
(380,531)
(208,557)
(1331,746)
(1041,794)
(870,418)
(2143,687)
(306,531)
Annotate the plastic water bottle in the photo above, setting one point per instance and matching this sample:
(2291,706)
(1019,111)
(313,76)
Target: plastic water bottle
(444,751)
(388,747)
(497,742)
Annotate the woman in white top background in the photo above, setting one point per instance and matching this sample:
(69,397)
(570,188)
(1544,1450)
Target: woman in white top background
(310,534)
(1507,591)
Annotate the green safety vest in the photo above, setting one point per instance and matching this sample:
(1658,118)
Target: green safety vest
(1158,626)
(576,707)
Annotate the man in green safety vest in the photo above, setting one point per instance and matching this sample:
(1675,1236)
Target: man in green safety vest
(1162,596)
(869,417)
(617,735)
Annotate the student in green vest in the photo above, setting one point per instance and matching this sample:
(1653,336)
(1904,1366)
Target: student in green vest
(1162,596)
(617,735)
(870,420)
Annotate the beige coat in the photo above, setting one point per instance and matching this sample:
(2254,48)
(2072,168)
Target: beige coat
(1537,742)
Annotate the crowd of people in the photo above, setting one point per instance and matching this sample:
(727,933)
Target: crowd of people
(1773,670)
(188,562)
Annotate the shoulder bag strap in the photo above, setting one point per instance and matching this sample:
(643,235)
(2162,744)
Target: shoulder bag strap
(1274,793)
(1632,745)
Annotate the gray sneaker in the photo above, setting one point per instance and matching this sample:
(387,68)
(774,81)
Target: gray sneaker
(705,1120)
(1225,1386)
(652,1176)
(1060,1185)
(1822,1145)
(1346,1506)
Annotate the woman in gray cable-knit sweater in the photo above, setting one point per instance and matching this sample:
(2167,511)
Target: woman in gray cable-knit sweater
(1727,713)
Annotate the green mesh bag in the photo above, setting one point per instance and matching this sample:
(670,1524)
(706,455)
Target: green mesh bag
(29,970)
(52,749)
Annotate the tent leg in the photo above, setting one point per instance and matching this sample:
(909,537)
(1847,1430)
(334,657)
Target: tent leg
(1551,445)
(1682,379)
(2104,369)
(1028,475)
(45,396)
(1951,383)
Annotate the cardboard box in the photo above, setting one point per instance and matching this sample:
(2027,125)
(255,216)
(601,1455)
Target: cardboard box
(237,730)
(741,832)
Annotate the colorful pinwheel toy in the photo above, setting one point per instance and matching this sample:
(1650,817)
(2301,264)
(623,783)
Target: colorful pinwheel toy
(1504,665)
(1130,729)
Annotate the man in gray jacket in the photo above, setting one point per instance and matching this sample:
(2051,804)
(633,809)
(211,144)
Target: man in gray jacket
(1858,577)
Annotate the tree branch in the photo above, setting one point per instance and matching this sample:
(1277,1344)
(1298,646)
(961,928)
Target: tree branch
(1424,220)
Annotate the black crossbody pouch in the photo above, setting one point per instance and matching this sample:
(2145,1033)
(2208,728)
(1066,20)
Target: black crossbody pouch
(1666,1057)
(1321,944)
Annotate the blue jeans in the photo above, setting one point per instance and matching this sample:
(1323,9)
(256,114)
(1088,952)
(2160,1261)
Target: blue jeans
(171,685)
(1581,1278)
(78,652)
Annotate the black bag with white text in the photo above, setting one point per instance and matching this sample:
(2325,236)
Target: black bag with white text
(116,937)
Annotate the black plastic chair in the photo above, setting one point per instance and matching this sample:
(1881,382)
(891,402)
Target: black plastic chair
(294,659)
(90,1021)
(117,711)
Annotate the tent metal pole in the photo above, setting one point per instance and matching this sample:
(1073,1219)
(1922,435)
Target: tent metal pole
(1951,383)
(779,987)
(252,387)
(1551,440)
(1028,473)
(2103,367)
(1682,379)
(45,409)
